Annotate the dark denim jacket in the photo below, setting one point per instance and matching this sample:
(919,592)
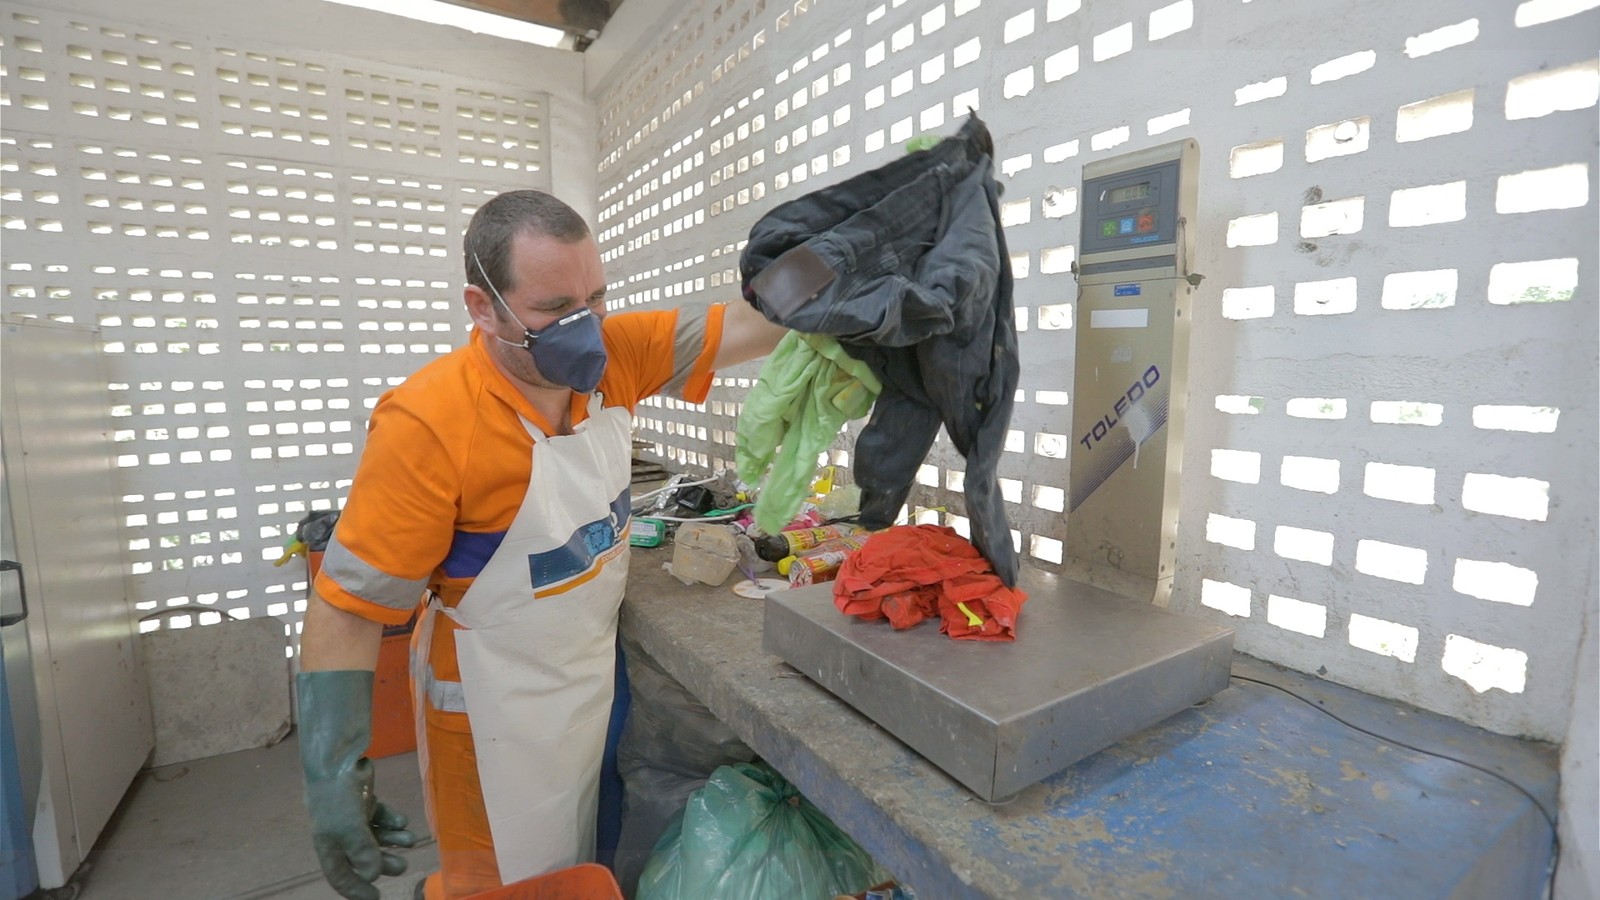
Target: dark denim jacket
(907,266)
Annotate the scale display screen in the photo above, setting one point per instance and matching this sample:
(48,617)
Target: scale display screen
(1128,193)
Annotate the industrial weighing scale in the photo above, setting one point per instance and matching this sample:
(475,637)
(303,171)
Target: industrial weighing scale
(1097,658)
(1088,668)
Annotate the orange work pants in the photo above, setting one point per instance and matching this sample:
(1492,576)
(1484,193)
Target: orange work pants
(456,813)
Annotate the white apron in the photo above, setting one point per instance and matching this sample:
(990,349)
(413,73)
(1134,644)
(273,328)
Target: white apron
(537,647)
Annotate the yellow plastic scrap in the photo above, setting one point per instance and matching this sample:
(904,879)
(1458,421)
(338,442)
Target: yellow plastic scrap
(824,484)
(292,549)
(973,619)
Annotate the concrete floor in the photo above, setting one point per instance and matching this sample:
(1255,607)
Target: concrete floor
(234,827)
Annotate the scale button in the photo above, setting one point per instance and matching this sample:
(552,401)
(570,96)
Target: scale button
(1147,222)
(1125,226)
(1108,228)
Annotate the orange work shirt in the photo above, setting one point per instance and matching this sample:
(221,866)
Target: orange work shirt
(447,464)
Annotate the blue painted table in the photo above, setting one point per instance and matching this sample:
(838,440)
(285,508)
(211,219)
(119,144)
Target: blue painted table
(1252,794)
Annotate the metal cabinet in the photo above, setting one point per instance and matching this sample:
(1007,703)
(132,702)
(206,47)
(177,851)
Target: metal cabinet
(77,688)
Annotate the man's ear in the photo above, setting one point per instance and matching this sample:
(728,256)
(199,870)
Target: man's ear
(480,307)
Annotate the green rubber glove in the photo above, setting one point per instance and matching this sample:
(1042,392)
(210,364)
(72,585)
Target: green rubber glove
(347,822)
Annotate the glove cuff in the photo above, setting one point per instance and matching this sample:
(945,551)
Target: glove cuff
(335,721)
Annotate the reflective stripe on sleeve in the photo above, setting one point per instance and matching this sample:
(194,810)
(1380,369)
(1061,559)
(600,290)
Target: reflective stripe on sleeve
(688,342)
(366,582)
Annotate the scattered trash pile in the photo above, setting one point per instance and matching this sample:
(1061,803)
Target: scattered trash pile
(712,525)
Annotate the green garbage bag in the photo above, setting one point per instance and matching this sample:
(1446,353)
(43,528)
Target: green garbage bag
(749,835)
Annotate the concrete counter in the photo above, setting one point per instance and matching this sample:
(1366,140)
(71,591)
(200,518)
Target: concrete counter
(1254,793)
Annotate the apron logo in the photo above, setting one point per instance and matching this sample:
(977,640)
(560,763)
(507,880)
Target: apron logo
(577,556)
(598,537)
(589,545)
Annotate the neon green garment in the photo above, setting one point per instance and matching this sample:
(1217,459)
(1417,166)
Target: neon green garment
(807,390)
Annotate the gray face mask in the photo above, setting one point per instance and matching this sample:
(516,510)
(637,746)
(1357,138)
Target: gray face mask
(569,351)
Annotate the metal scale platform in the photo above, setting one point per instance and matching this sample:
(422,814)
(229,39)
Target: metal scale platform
(1088,668)
(1097,656)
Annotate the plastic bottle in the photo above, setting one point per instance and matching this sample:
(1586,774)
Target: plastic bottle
(793,543)
(804,570)
(820,563)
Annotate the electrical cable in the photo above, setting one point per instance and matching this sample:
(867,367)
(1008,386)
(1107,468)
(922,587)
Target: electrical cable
(1549,818)
(726,516)
(672,487)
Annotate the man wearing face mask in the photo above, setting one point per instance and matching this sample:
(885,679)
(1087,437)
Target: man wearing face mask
(495,483)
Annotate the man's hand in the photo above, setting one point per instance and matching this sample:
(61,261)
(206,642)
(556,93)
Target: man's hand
(348,825)
(338,651)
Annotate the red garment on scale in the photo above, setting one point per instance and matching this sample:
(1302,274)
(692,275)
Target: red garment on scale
(913,572)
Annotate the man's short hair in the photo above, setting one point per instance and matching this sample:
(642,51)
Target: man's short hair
(497,223)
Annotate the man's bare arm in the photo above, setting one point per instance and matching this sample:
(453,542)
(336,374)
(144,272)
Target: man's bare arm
(746,335)
(333,639)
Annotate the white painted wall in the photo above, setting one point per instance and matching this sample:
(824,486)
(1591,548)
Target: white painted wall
(261,207)
(1579,875)
(1428,498)
(333,28)
(1434,563)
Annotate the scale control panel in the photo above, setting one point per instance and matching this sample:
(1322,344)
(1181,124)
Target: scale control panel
(1131,209)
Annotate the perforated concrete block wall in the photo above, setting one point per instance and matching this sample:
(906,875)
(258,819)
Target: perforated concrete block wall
(267,232)
(1389,475)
